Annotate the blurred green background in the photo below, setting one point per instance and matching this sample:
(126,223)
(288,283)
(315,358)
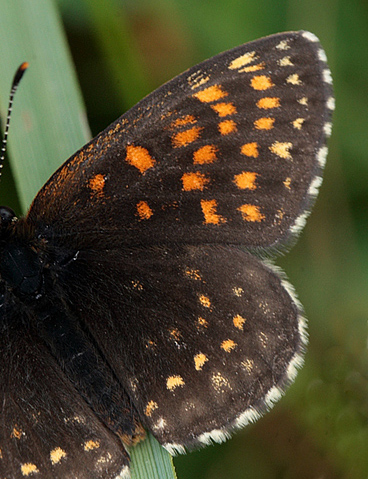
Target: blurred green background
(122,51)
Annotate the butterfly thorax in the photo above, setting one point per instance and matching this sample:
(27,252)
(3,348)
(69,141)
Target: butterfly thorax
(20,265)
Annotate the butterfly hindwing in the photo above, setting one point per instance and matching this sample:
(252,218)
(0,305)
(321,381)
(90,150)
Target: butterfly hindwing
(231,150)
(213,327)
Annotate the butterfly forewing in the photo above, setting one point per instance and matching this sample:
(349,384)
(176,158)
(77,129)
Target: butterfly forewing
(127,297)
(227,151)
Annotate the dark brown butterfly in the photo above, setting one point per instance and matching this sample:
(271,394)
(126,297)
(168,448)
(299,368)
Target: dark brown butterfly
(132,295)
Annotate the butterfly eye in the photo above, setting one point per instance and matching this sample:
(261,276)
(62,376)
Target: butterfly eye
(7,215)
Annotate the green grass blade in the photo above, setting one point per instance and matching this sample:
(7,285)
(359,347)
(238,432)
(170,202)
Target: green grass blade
(151,461)
(49,121)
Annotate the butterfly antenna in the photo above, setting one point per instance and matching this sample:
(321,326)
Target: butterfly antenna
(17,78)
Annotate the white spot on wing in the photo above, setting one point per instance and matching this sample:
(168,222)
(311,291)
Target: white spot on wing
(327,128)
(299,223)
(248,416)
(327,76)
(322,156)
(322,55)
(331,103)
(173,448)
(273,395)
(314,186)
(310,36)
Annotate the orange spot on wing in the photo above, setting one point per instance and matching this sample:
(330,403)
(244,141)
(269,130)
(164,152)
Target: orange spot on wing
(184,138)
(228,345)
(205,154)
(250,149)
(205,301)
(202,322)
(90,445)
(144,211)
(261,82)
(246,180)
(239,321)
(210,214)
(193,274)
(268,102)
(139,157)
(16,432)
(151,406)
(264,123)
(185,120)
(210,94)
(224,109)
(97,184)
(251,213)
(226,127)
(194,181)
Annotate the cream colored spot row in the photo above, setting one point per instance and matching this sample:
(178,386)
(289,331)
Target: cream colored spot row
(56,455)
(285,62)
(298,123)
(151,406)
(174,382)
(197,79)
(91,445)
(294,79)
(248,365)
(199,360)
(220,383)
(281,149)
(238,290)
(283,45)
(243,60)
(29,468)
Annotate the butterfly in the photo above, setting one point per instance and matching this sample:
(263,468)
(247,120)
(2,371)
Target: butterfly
(135,294)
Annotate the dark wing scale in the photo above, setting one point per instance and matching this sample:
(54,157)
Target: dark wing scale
(203,338)
(47,430)
(225,152)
